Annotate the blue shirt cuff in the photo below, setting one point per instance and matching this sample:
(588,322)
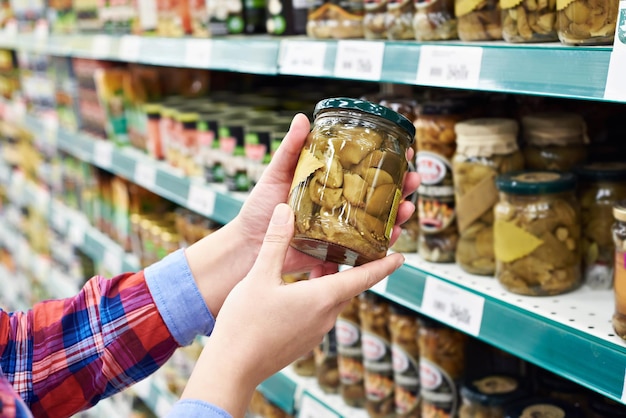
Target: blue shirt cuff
(186,408)
(178,298)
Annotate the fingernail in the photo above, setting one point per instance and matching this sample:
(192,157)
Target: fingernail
(281,214)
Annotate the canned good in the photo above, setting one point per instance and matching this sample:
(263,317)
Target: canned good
(403,327)
(542,407)
(528,20)
(554,141)
(485,148)
(601,185)
(374,19)
(326,369)
(488,395)
(434,20)
(537,233)
(339,19)
(478,20)
(399,19)
(350,355)
(348,182)
(619,275)
(587,22)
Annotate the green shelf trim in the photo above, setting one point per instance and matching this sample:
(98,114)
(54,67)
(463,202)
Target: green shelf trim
(281,391)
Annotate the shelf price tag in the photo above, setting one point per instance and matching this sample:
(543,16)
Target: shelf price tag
(201,199)
(145,175)
(112,261)
(198,53)
(449,66)
(130,48)
(615,88)
(101,46)
(452,305)
(302,57)
(103,154)
(361,60)
(310,407)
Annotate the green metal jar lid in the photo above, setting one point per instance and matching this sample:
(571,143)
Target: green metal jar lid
(606,171)
(531,182)
(542,408)
(495,389)
(366,107)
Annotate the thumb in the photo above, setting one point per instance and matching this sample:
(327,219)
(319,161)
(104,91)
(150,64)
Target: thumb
(269,262)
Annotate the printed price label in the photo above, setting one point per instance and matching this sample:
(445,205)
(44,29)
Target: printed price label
(103,154)
(112,261)
(76,233)
(359,60)
(312,408)
(198,53)
(145,175)
(201,199)
(453,306)
(101,46)
(130,47)
(302,58)
(449,66)
(615,88)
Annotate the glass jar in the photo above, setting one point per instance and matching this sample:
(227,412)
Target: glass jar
(557,387)
(350,355)
(436,144)
(326,370)
(586,22)
(619,274)
(374,19)
(377,360)
(554,141)
(538,407)
(339,19)
(442,365)
(399,19)
(486,396)
(528,21)
(434,20)
(154,144)
(478,20)
(600,186)
(485,148)
(403,327)
(348,182)
(537,233)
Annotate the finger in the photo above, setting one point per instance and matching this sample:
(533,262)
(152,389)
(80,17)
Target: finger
(269,263)
(286,156)
(323,269)
(347,284)
(405,211)
(411,183)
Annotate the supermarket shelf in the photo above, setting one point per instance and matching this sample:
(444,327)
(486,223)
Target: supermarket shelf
(569,334)
(549,69)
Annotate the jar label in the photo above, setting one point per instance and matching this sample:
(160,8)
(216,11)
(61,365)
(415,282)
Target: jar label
(435,204)
(510,242)
(393,213)
(348,335)
(439,392)
(376,353)
(432,168)
(375,6)
(464,7)
(407,380)
(351,370)
(476,202)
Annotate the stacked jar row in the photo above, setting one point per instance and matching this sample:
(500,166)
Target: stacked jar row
(573,22)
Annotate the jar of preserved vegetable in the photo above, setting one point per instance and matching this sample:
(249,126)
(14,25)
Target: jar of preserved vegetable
(478,20)
(619,273)
(399,19)
(601,185)
(339,19)
(326,369)
(554,141)
(587,22)
(434,20)
(538,407)
(350,355)
(556,387)
(436,144)
(537,233)
(485,148)
(374,19)
(528,21)
(348,182)
(403,327)
(488,395)
(442,365)
(376,344)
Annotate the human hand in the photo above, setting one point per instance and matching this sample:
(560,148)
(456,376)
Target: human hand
(265,324)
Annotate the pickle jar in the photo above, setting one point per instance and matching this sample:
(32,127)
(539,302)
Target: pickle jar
(335,19)
(600,186)
(619,273)
(399,19)
(528,21)
(436,144)
(377,359)
(350,355)
(537,233)
(403,327)
(542,407)
(374,19)
(478,20)
(587,22)
(554,141)
(442,367)
(485,148)
(488,395)
(347,184)
(434,20)
(326,370)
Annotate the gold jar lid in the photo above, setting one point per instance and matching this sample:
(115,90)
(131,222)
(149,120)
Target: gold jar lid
(484,137)
(619,211)
(554,128)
